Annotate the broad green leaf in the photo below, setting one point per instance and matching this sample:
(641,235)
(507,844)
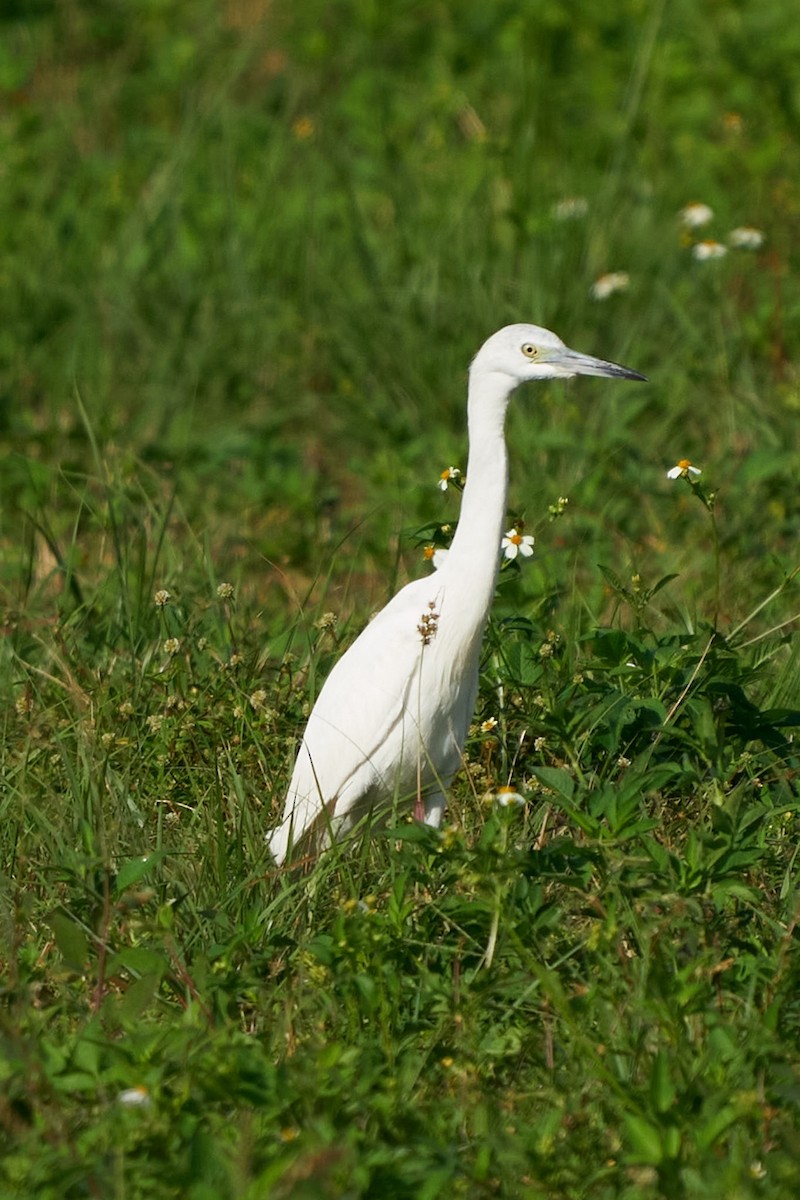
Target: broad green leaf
(71,940)
(645,1140)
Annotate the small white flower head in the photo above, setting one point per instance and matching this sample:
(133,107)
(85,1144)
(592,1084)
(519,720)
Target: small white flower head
(225,591)
(703,251)
(682,470)
(162,598)
(746,238)
(434,555)
(508,797)
(134,1097)
(607,285)
(489,725)
(571,208)
(172,646)
(448,476)
(695,215)
(516,542)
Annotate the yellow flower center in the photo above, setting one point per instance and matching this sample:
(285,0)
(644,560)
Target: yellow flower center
(684,464)
(516,539)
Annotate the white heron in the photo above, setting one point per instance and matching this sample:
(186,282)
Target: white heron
(390,722)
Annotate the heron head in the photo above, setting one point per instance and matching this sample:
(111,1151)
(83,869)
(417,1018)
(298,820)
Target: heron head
(525,352)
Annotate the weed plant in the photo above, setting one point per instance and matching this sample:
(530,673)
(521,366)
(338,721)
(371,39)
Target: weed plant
(247,251)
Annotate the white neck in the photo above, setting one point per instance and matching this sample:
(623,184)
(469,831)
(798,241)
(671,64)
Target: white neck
(474,555)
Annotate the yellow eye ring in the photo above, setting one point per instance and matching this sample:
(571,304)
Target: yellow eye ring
(529,350)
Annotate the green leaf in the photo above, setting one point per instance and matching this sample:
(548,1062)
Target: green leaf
(137,998)
(71,940)
(557,779)
(645,1140)
(136,868)
(662,1089)
(711,1131)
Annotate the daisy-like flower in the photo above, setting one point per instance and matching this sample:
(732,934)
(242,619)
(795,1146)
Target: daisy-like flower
(303,128)
(134,1097)
(435,555)
(606,285)
(703,251)
(448,476)
(745,237)
(489,725)
(516,542)
(682,470)
(571,208)
(508,797)
(695,215)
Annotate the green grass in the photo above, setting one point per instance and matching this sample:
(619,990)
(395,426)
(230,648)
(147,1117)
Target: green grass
(247,253)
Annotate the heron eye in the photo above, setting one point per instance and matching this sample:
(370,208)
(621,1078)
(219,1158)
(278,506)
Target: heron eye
(529,350)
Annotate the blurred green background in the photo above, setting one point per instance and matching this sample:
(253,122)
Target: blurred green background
(250,248)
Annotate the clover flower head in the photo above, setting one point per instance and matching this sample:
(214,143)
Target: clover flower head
(682,470)
(162,598)
(516,542)
(704,251)
(606,285)
(225,591)
(172,646)
(695,215)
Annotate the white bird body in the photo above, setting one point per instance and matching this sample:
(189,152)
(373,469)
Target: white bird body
(390,722)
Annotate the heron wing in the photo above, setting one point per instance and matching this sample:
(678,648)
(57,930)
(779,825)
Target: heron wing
(354,739)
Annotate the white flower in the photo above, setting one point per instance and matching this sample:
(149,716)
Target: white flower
(746,238)
(606,285)
(225,591)
(570,208)
(703,251)
(435,555)
(134,1097)
(509,797)
(448,476)
(693,216)
(161,598)
(488,725)
(683,469)
(515,542)
(172,646)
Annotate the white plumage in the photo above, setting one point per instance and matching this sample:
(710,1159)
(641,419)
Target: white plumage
(391,719)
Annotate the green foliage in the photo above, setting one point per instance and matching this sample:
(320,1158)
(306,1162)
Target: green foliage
(244,245)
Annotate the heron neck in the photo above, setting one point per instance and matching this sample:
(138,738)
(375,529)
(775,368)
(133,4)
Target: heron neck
(475,550)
